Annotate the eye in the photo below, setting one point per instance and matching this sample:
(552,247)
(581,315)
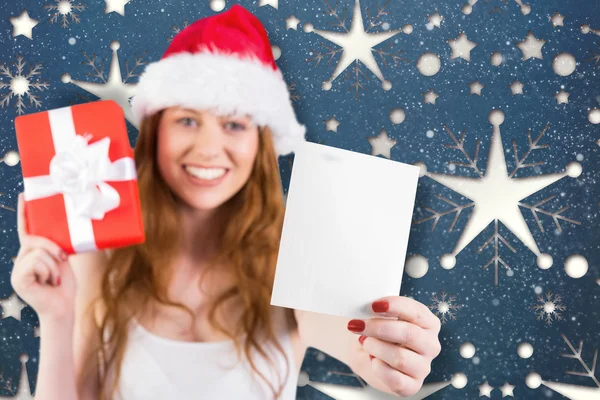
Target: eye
(236,126)
(186,121)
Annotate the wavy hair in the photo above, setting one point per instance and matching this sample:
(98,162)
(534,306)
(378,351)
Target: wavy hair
(249,243)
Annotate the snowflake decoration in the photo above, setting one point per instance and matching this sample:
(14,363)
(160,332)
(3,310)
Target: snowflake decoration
(356,45)
(175,30)
(63,9)
(595,56)
(493,183)
(444,306)
(549,307)
(577,354)
(20,85)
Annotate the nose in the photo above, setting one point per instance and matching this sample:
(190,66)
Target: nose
(209,140)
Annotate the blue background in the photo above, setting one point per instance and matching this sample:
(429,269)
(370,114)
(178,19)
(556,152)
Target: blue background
(495,318)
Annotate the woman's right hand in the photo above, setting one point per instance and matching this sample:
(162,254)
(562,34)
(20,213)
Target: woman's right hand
(42,275)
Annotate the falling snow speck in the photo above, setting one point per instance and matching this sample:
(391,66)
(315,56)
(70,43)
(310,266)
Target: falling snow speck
(496,302)
(430,133)
(538,290)
(72,41)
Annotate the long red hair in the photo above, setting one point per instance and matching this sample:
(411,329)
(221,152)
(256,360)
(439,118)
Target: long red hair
(249,247)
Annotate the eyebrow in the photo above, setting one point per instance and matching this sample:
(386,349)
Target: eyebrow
(193,111)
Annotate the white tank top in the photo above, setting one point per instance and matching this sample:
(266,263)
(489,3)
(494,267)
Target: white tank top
(157,368)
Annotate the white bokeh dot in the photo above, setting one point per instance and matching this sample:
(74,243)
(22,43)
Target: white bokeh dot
(533,380)
(576,266)
(467,350)
(525,350)
(72,41)
(397,116)
(459,380)
(574,169)
(416,266)
(544,261)
(448,261)
(217,5)
(594,116)
(308,27)
(564,64)
(496,58)
(429,64)
(11,158)
(276,52)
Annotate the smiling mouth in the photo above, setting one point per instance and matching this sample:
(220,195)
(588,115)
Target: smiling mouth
(208,174)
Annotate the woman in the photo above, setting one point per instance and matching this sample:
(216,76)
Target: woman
(171,318)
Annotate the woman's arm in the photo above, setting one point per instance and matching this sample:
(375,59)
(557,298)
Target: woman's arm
(56,374)
(68,343)
(88,269)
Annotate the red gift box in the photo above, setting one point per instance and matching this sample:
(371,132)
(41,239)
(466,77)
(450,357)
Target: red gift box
(80,179)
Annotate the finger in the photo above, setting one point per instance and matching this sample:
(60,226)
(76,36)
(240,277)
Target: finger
(39,258)
(34,270)
(398,383)
(34,241)
(408,309)
(21,224)
(403,333)
(404,360)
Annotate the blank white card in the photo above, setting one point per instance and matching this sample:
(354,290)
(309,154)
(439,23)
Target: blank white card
(345,231)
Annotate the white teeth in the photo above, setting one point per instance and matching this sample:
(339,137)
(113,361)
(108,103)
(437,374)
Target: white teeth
(205,173)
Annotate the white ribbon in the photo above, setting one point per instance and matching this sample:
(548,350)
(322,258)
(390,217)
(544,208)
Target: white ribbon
(78,171)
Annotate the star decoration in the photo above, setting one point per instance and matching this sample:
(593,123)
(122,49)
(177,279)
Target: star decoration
(507,389)
(272,3)
(557,19)
(12,306)
(115,87)
(531,47)
(292,23)
(562,97)
(461,47)
(516,87)
(435,19)
(332,124)
(485,389)
(23,25)
(381,144)
(117,6)
(476,87)
(357,44)
(494,182)
(430,96)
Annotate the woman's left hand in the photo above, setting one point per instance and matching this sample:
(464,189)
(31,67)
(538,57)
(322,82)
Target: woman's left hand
(401,349)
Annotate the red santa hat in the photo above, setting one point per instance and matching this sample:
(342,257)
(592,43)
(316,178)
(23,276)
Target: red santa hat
(223,62)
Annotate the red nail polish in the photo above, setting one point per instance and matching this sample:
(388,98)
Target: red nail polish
(371,357)
(361,338)
(356,325)
(380,306)
(58,280)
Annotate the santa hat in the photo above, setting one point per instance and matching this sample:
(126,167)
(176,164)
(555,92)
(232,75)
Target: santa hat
(224,63)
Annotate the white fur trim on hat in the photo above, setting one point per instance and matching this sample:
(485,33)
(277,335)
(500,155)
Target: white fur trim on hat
(226,84)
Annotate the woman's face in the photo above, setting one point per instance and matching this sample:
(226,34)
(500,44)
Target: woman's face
(205,158)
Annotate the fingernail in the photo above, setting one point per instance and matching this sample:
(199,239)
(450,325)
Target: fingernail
(63,256)
(58,280)
(361,338)
(356,325)
(371,357)
(380,306)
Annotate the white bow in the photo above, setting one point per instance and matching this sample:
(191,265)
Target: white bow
(79,172)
